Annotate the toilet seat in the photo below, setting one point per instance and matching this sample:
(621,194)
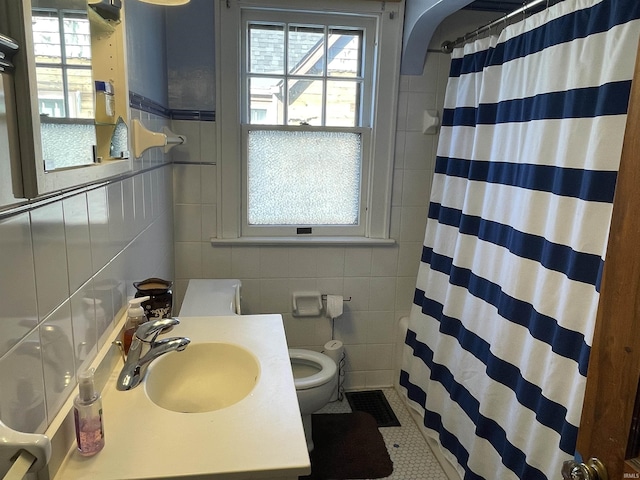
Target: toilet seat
(326,365)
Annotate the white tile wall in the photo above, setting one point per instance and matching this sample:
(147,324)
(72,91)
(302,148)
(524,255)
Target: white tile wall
(58,358)
(379,280)
(78,240)
(17,282)
(22,401)
(50,257)
(66,270)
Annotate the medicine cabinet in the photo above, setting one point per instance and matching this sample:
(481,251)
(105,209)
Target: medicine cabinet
(71,88)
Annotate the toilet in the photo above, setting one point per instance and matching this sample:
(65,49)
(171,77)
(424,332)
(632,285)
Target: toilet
(315,375)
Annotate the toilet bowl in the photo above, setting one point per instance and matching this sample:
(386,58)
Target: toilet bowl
(315,375)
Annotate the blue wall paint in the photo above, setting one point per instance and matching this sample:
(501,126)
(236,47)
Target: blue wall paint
(191,56)
(146,48)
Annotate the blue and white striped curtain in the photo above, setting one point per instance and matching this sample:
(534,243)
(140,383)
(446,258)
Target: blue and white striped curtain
(496,355)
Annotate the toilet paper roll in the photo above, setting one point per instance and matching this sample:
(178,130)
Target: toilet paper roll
(334,306)
(334,350)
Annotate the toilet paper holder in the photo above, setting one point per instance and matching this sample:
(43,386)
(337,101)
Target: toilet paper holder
(334,306)
(309,304)
(306,304)
(324,297)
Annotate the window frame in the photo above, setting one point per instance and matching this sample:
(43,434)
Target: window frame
(379,133)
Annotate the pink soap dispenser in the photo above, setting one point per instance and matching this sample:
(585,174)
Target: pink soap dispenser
(87,410)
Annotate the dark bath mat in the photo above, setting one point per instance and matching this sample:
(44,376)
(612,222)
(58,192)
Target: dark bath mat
(347,446)
(375,403)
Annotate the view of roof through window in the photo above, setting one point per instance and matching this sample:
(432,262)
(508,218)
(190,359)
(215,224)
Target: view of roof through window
(313,76)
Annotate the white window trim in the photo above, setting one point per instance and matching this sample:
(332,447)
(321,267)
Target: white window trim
(228,122)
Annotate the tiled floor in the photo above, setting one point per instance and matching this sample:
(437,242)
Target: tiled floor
(412,458)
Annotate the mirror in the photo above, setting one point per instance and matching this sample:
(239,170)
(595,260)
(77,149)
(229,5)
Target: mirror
(62,52)
(72,92)
(76,102)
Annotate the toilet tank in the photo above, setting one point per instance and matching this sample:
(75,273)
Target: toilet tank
(205,297)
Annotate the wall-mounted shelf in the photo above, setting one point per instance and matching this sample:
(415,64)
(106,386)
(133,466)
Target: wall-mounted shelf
(99,26)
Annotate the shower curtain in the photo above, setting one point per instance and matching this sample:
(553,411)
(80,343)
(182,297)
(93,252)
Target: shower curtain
(496,355)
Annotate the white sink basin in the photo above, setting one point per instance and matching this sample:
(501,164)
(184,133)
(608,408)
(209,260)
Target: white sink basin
(202,378)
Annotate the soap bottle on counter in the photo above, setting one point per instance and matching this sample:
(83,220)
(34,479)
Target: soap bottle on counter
(135,317)
(87,412)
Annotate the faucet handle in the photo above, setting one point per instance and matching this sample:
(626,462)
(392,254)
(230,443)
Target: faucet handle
(154,327)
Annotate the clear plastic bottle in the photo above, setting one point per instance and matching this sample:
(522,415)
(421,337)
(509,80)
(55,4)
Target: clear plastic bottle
(87,411)
(105,102)
(135,317)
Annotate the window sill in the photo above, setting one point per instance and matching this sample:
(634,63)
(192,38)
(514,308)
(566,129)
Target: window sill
(284,241)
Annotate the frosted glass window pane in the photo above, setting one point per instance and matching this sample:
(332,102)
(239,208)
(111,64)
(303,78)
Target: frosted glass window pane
(67,145)
(303,178)
(305,102)
(266,49)
(306,50)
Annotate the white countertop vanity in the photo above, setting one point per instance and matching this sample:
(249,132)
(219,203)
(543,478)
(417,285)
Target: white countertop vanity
(256,433)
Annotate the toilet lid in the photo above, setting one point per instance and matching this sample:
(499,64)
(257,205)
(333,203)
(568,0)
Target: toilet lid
(326,368)
(211,297)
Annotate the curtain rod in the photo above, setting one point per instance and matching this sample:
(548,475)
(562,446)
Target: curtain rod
(448,47)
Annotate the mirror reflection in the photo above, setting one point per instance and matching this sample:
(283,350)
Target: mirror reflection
(70,101)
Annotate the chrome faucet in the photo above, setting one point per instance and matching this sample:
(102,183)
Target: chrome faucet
(145,337)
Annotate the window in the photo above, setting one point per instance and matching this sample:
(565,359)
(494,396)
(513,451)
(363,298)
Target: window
(62,48)
(307,118)
(308,74)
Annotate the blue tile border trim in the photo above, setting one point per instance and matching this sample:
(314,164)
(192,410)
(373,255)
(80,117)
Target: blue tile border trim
(144,104)
(202,115)
(139,102)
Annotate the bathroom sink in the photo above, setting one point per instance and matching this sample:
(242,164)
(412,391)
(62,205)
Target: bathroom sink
(237,373)
(202,378)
